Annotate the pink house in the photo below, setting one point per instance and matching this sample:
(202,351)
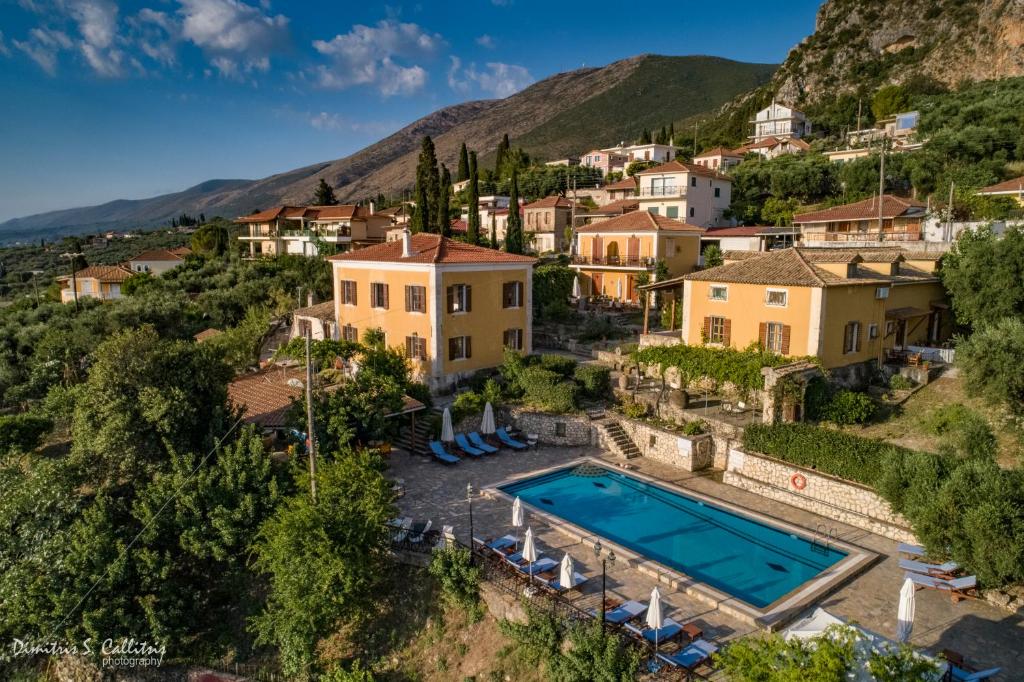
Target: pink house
(604,161)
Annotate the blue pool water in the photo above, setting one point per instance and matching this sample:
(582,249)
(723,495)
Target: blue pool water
(744,558)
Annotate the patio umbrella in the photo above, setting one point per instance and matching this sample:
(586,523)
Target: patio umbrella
(447,432)
(529,550)
(618,289)
(487,423)
(576,286)
(654,615)
(905,617)
(567,574)
(517,517)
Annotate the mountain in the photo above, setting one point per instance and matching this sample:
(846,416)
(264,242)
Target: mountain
(568,113)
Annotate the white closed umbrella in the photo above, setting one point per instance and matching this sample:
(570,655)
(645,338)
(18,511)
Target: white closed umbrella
(529,550)
(517,513)
(576,286)
(618,289)
(487,423)
(905,616)
(567,573)
(447,432)
(654,615)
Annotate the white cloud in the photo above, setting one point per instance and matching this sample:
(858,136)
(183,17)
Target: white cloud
(4,50)
(43,46)
(485,41)
(238,37)
(497,79)
(366,56)
(156,34)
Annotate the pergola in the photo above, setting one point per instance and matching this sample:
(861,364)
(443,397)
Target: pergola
(672,287)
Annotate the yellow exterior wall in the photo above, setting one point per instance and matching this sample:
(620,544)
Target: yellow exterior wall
(621,241)
(746,309)
(486,321)
(686,254)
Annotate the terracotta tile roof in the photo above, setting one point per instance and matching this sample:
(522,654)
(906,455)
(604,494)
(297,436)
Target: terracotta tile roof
(339,212)
(265,396)
(680,167)
(797,267)
(430,248)
(261,216)
(550,202)
(207,334)
(718,151)
(295,212)
(102,273)
(641,221)
(892,206)
(735,254)
(161,254)
(321,311)
(627,183)
(616,207)
(738,231)
(181,251)
(1007,186)
(460,226)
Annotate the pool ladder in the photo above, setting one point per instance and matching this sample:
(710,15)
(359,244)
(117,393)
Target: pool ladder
(824,537)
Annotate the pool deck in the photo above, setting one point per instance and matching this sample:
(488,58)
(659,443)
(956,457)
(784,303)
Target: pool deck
(985,635)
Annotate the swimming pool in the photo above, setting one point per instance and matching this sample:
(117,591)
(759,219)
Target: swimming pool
(752,561)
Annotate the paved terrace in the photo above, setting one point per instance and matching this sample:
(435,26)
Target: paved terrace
(985,635)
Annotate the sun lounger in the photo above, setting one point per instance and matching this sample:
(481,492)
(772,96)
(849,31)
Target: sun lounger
(624,612)
(460,440)
(440,453)
(578,578)
(692,656)
(668,631)
(961,675)
(502,543)
(418,530)
(539,566)
(957,587)
(912,550)
(937,570)
(509,440)
(476,439)
(403,525)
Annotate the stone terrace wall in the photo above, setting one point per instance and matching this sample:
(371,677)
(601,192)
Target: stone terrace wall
(691,453)
(834,498)
(555,429)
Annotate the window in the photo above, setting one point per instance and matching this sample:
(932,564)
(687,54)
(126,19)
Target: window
(851,270)
(718,293)
(652,440)
(881,292)
(415,299)
(718,192)
(86,286)
(776,297)
(872,331)
(349,333)
(513,339)
(348,292)
(890,327)
(459,348)
(547,219)
(851,337)
(773,337)
(716,330)
(378,295)
(512,295)
(672,211)
(460,298)
(653,210)
(691,211)
(416,347)
(693,181)
(560,429)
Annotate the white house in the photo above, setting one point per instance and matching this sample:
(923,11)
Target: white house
(651,152)
(778,120)
(158,261)
(687,192)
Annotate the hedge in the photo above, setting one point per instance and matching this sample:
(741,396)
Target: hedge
(547,390)
(741,368)
(594,380)
(830,452)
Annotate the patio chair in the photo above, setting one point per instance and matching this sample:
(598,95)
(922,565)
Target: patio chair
(460,440)
(692,656)
(668,631)
(477,440)
(945,570)
(912,550)
(961,675)
(624,612)
(438,451)
(958,588)
(509,440)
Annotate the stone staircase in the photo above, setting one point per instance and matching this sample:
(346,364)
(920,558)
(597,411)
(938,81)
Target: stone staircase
(612,437)
(423,436)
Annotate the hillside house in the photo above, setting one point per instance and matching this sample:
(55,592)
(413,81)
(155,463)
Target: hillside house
(604,160)
(687,192)
(95,281)
(863,223)
(158,261)
(545,220)
(778,120)
(1008,188)
(298,229)
(623,189)
(719,158)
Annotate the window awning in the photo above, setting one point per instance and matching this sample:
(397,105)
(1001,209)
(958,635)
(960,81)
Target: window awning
(905,313)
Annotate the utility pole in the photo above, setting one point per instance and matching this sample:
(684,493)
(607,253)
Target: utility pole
(695,138)
(74,280)
(881,189)
(859,103)
(572,219)
(310,439)
(949,215)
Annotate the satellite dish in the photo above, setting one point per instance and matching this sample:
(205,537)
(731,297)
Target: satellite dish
(295,383)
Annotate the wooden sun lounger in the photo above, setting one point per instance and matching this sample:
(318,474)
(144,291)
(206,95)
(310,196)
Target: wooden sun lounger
(958,588)
(692,656)
(946,571)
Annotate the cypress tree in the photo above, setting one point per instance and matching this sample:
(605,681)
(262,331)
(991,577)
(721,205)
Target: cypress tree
(672,133)
(323,195)
(463,171)
(514,227)
(494,231)
(420,219)
(473,219)
(503,148)
(428,189)
(444,222)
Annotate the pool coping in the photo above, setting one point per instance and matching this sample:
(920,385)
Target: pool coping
(771,617)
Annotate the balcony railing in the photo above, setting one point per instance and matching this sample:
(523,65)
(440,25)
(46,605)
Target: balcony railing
(616,261)
(868,236)
(673,192)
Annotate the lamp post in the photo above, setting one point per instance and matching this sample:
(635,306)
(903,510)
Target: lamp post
(605,560)
(469,499)
(74,280)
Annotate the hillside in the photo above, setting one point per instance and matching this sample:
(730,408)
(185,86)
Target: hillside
(567,113)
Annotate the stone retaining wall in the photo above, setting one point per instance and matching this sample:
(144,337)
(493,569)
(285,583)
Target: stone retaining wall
(691,453)
(827,496)
(555,429)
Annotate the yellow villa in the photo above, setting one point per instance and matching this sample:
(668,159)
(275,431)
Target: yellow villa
(611,254)
(95,281)
(842,306)
(453,307)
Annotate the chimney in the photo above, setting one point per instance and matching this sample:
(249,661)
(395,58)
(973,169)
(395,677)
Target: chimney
(372,211)
(309,299)
(406,244)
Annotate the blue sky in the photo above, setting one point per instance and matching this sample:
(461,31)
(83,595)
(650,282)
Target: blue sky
(107,100)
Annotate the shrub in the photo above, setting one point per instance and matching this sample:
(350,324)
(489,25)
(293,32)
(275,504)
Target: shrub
(558,363)
(420,392)
(546,390)
(830,656)
(22,432)
(962,431)
(594,655)
(594,380)
(598,327)
(695,428)
(465,405)
(634,409)
(816,398)
(539,638)
(742,368)
(898,382)
(990,360)
(459,578)
(849,407)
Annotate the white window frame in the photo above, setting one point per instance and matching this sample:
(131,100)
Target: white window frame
(872,331)
(459,306)
(881,293)
(785,297)
(713,288)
